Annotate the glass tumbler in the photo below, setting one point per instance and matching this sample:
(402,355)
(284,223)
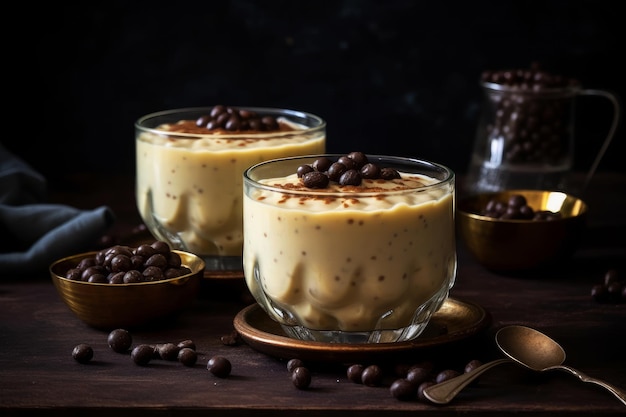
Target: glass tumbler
(189,165)
(350,264)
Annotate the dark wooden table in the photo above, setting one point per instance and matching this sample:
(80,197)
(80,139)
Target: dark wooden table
(38,333)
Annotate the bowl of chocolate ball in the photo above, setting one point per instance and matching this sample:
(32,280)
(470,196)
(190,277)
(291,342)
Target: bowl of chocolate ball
(520,230)
(124,286)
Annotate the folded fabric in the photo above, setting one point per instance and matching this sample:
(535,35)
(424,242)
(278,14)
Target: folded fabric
(33,234)
(19,183)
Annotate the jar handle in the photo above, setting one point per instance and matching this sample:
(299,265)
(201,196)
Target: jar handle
(616,117)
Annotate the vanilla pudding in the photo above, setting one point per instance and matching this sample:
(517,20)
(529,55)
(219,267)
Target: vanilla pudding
(365,263)
(189,176)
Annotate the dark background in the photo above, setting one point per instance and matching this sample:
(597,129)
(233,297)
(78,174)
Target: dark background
(395,77)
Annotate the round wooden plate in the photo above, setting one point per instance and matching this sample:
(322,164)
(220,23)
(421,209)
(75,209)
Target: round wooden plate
(456,320)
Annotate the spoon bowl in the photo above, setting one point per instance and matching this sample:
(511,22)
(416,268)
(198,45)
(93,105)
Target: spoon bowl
(530,348)
(527,347)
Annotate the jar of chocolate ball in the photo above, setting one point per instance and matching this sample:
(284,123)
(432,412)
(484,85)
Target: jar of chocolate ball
(525,136)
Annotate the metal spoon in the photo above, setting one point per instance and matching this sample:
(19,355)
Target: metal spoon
(529,348)
(444,392)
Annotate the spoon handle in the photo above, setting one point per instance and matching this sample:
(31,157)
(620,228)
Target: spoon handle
(585,378)
(444,392)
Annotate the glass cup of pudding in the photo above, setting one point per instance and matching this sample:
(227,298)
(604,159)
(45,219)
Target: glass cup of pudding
(349,248)
(189,165)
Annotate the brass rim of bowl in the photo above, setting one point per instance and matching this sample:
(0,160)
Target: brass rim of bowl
(469,206)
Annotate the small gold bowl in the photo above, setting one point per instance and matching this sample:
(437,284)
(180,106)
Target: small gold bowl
(507,245)
(110,306)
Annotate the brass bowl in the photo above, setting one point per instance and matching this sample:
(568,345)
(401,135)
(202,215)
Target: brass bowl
(110,306)
(517,245)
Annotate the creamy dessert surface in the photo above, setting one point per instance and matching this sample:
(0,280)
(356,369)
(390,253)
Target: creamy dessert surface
(194,137)
(351,263)
(192,188)
(191,126)
(370,195)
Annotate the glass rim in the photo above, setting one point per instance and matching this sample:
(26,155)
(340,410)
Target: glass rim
(395,160)
(568,90)
(320,123)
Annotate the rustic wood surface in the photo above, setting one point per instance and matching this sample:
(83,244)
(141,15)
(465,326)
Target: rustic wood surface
(38,333)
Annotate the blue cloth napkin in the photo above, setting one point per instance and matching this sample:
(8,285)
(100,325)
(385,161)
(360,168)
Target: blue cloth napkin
(33,234)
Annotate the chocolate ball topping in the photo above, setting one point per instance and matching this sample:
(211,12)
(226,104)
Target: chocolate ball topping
(348,169)
(315,179)
(237,120)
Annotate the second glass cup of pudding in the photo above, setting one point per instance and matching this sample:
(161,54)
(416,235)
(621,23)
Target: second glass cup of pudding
(189,165)
(350,248)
